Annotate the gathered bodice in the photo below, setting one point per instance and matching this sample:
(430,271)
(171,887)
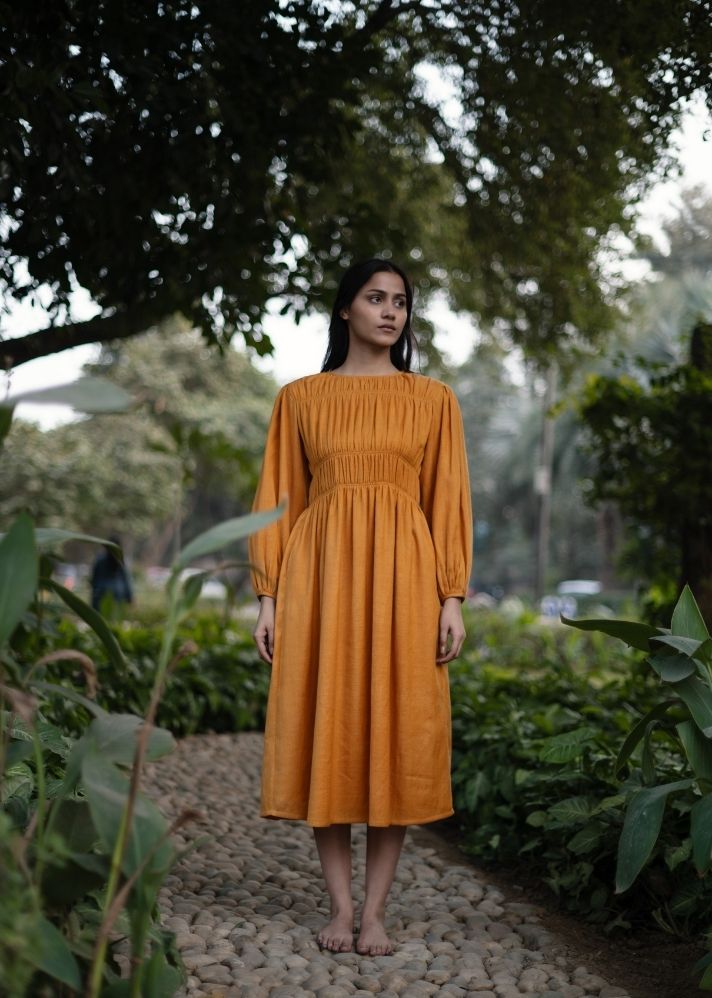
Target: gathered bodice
(335,438)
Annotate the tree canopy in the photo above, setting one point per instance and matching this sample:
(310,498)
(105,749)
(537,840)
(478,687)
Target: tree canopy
(203,158)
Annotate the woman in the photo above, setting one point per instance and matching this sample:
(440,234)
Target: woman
(361,584)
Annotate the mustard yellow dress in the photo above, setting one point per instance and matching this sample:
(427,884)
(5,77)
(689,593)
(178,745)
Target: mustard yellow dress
(378,532)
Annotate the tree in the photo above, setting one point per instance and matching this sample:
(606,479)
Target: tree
(186,456)
(204,158)
(652,440)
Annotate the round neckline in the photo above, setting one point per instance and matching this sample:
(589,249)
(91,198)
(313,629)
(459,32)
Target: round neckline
(379,377)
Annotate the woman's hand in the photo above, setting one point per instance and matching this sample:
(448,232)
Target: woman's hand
(264,629)
(450,623)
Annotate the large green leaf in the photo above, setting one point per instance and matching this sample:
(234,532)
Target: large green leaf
(687,621)
(18,574)
(634,633)
(701,832)
(641,829)
(89,394)
(115,737)
(107,791)
(566,746)
(95,620)
(698,749)
(698,697)
(54,957)
(691,647)
(52,537)
(638,732)
(227,533)
(672,668)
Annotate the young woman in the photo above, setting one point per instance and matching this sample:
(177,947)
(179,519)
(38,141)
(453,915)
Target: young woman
(361,584)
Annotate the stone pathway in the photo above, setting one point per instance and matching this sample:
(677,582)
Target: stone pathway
(247,904)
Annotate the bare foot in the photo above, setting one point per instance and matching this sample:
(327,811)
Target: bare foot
(372,939)
(338,935)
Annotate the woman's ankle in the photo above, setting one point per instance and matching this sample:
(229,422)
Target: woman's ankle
(343,907)
(373,912)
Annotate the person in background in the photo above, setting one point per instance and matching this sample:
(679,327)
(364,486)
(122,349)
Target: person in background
(110,575)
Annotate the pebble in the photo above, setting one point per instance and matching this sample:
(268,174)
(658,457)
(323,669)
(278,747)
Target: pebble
(246,904)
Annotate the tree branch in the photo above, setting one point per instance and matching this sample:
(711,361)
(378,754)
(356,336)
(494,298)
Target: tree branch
(118,326)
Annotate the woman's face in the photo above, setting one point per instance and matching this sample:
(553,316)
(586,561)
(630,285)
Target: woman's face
(379,310)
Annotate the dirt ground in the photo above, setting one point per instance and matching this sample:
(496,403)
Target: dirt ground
(649,963)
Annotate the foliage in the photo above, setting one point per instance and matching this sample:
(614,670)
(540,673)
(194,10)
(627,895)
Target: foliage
(651,438)
(216,156)
(186,456)
(89,850)
(215,687)
(681,657)
(538,715)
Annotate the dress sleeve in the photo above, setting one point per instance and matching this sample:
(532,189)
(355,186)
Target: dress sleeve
(445,497)
(285,472)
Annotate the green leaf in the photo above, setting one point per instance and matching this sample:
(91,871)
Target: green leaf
(572,810)
(115,737)
(701,650)
(608,803)
(107,790)
(54,957)
(687,620)
(641,829)
(192,588)
(537,819)
(95,620)
(50,537)
(587,839)
(227,533)
(17,752)
(698,697)
(18,574)
(674,855)
(701,832)
(634,633)
(160,979)
(672,668)
(69,694)
(647,761)
(17,781)
(89,394)
(567,746)
(686,646)
(638,732)
(698,749)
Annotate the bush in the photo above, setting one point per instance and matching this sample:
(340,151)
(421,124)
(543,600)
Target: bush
(221,686)
(539,715)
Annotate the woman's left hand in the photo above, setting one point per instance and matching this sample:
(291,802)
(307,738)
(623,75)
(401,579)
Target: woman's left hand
(450,623)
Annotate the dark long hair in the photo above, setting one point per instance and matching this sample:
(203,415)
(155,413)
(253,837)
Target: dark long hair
(351,283)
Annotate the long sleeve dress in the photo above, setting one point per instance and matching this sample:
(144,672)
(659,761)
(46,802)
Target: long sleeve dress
(377,534)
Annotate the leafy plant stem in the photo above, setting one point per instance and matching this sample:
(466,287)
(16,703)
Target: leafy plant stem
(40,837)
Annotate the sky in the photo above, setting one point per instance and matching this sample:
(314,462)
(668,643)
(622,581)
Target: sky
(299,350)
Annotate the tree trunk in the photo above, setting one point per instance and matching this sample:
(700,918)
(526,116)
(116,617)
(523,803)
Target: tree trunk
(542,485)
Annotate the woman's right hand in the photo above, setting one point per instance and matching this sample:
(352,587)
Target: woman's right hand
(264,629)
